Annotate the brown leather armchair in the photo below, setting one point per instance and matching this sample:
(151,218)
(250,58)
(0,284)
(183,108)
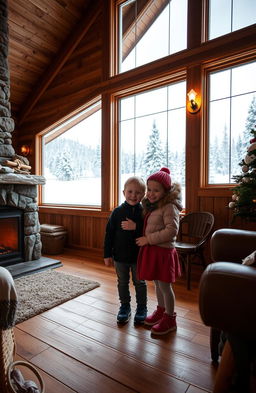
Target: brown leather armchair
(216,298)
(227,295)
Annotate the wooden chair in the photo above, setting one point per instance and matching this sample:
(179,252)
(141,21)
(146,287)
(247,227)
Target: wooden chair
(195,229)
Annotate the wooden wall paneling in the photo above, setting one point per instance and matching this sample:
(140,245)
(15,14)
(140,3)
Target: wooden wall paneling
(98,230)
(35,18)
(206,204)
(237,222)
(85,232)
(106,36)
(23,20)
(194,32)
(89,233)
(76,224)
(221,212)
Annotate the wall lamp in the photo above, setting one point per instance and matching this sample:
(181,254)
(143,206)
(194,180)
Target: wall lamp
(25,150)
(193,104)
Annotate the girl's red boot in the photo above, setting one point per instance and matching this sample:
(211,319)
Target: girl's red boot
(155,317)
(166,325)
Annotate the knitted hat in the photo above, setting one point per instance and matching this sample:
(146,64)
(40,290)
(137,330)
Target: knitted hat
(163,177)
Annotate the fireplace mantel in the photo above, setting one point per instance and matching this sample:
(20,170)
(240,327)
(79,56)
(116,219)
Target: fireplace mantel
(17,178)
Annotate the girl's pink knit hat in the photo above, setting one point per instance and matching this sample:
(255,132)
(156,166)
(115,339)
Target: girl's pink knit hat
(163,177)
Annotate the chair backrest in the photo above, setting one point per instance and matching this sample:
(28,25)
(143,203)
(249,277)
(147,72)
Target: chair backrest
(232,245)
(196,226)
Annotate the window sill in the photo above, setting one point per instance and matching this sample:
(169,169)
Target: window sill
(216,191)
(73,211)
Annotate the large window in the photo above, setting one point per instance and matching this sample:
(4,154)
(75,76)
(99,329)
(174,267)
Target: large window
(232,114)
(72,161)
(226,16)
(152,133)
(149,30)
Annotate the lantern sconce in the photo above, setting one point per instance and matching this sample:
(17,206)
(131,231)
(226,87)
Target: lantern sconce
(193,103)
(25,150)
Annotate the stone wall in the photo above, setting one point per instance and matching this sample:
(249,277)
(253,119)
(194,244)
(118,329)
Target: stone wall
(6,122)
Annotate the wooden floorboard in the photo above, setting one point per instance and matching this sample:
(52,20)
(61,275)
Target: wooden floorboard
(79,347)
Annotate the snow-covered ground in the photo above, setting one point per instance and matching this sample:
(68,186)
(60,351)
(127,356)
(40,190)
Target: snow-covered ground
(85,191)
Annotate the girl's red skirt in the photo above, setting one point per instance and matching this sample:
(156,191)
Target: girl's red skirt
(158,263)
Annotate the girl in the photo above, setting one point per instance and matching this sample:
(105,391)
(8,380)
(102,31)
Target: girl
(158,259)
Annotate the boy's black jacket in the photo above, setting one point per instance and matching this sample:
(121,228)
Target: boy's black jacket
(120,244)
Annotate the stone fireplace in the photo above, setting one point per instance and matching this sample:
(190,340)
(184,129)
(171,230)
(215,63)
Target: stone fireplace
(19,218)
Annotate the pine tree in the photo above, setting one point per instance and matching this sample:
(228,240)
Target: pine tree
(97,162)
(63,169)
(153,160)
(244,194)
(224,149)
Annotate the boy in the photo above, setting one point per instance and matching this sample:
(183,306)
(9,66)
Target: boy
(124,226)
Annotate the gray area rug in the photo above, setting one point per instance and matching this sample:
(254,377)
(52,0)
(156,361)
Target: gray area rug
(41,291)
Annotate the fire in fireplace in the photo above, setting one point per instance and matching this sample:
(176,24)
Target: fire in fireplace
(11,236)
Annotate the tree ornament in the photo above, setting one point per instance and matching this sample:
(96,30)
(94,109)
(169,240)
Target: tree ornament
(245,168)
(234,197)
(231,205)
(251,147)
(249,158)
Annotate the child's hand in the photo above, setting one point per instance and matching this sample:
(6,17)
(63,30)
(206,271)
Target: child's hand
(128,225)
(108,262)
(142,241)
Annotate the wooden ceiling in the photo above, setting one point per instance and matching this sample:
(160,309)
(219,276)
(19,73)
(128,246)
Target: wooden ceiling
(42,35)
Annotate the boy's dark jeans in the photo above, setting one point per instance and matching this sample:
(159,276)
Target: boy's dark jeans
(123,278)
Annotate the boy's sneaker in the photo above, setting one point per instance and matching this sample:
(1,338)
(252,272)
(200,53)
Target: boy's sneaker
(155,317)
(141,314)
(124,313)
(166,325)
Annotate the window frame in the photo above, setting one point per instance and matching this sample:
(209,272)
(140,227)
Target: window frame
(207,22)
(115,39)
(226,63)
(64,125)
(133,90)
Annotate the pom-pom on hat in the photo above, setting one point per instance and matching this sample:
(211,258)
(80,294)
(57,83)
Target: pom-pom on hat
(163,177)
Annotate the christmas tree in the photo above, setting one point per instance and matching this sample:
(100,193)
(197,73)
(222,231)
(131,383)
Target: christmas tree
(244,194)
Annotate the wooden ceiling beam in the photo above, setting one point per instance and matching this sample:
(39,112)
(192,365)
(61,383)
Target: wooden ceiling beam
(62,56)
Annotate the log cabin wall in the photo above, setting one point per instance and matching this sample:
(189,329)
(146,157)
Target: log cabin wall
(85,75)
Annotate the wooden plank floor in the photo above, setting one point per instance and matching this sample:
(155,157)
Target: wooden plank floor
(78,346)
